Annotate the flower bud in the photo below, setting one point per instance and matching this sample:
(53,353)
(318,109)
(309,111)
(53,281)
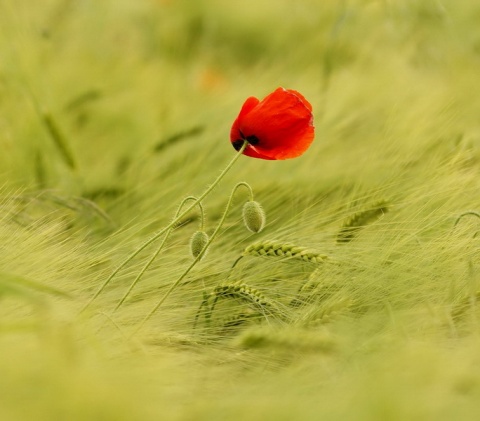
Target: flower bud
(253,216)
(198,241)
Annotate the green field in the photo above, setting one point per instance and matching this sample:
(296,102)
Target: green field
(114,111)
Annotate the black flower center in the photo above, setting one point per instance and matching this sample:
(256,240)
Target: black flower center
(252,140)
(237,144)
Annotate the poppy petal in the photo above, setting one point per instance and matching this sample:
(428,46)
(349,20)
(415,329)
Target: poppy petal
(253,153)
(302,98)
(278,127)
(247,106)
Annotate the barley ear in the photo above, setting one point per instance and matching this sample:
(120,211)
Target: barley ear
(280,249)
(358,220)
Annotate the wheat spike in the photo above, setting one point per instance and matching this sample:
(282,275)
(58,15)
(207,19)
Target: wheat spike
(242,292)
(329,310)
(237,320)
(284,250)
(239,291)
(355,222)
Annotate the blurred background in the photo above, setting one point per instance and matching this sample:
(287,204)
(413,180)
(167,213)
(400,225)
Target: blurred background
(112,111)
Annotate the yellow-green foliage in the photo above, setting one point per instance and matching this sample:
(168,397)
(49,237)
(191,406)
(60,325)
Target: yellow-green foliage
(113,111)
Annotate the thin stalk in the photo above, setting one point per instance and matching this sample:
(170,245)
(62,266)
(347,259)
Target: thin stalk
(154,256)
(162,231)
(247,186)
(195,261)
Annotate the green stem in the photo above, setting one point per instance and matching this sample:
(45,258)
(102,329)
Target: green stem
(195,261)
(473,213)
(154,256)
(235,264)
(245,184)
(162,231)
(202,217)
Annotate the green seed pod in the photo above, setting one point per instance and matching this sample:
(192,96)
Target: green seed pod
(253,216)
(198,242)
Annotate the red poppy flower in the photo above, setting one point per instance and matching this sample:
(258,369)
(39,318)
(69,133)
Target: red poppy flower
(279,127)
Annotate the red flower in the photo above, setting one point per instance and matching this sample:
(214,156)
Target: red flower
(279,127)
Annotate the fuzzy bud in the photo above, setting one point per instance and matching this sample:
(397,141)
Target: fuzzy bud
(253,216)
(198,242)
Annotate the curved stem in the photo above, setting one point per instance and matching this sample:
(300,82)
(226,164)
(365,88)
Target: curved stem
(154,256)
(245,184)
(195,261)
(202,217)
(162,231)
(235,264)
(473,213)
